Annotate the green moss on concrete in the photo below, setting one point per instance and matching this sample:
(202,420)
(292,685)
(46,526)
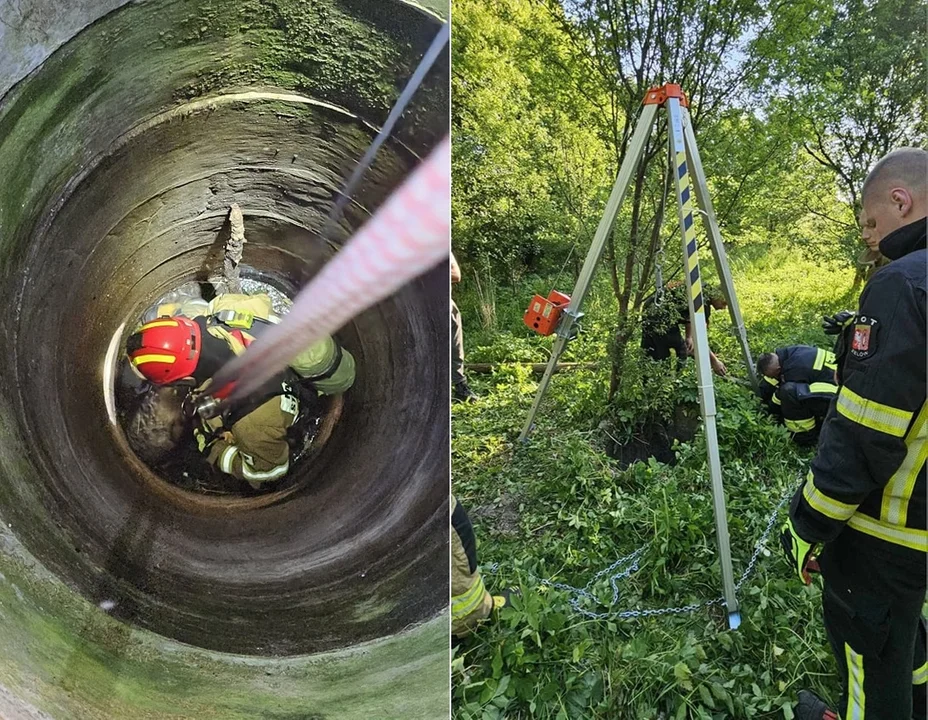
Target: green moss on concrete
(75,661)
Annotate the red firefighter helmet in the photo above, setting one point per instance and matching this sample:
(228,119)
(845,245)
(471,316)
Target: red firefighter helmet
(165,350)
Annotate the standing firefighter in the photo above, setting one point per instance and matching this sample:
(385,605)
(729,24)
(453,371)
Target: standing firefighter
(865,496)
(798,385)
(461,391)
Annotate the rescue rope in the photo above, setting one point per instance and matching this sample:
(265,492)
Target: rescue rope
(580,598)
(406,237)
(431,55)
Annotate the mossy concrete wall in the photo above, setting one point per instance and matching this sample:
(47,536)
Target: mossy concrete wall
(120,152)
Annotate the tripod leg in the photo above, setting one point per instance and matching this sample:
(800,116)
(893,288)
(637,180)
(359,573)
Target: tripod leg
(718,248)
(701,338)
(572,311)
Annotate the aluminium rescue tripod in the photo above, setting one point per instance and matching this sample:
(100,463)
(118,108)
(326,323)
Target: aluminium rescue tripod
(685,158)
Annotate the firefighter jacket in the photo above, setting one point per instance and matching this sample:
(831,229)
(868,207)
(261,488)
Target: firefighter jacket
(251,443)
(470,601)
(800,396)
(802,364)
(804,407)
(237,319)
(868,477)
(255,448)
(250,440)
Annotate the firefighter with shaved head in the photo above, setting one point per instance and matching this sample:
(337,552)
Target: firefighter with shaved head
(864,500)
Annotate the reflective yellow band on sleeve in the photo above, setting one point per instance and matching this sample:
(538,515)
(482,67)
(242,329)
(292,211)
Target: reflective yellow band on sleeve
(819,360)
(899,489)
(823,358)
(906,537)
(157,324)
(227,458)
(856,698)
(464,605)
(920,675)
(798,426)
(261,476)
(776,399)
(823,387)
(873,415)
(828,506)
(142,359)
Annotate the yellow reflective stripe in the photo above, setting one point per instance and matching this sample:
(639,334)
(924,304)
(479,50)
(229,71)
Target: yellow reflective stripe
(823,387)
(873,415)
(856,698)
(899,489)
(141,359)
(776,399)
(798,426)
(772,381)
(464,605)
(819,360)
(227,458)
(920,675)
(251,474)
(823,358)
(907,537)
(158,323)
(828,506)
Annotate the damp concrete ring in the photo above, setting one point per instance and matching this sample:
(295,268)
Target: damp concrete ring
(117,183)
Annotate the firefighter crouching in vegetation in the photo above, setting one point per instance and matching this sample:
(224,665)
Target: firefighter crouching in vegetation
(865,496)
(662,316)
(470,601)
(187,343)
(798,384)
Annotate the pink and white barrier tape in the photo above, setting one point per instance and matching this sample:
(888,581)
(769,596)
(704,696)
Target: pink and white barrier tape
(408,235)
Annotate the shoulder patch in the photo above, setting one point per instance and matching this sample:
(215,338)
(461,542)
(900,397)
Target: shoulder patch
(864,343)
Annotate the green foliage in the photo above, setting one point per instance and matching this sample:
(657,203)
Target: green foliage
(852,73)
(560,508)
(526,162)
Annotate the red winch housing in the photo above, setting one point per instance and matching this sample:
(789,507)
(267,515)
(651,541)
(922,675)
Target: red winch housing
(543,314)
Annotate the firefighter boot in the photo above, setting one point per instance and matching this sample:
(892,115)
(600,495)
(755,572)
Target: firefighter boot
(463,393)
(812,707)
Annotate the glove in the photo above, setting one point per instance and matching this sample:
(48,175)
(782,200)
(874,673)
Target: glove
(798,552)
(202,438)
(206,432)
(835,324)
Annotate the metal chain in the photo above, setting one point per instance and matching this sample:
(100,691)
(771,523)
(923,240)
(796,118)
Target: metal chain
(630,564)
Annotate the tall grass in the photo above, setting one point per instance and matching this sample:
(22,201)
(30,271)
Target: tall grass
(486,300)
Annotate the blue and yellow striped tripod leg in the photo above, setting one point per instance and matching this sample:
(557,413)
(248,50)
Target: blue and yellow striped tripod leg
(701,348)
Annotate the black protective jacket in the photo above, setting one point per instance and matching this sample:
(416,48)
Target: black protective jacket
(868,479)
(800,364)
